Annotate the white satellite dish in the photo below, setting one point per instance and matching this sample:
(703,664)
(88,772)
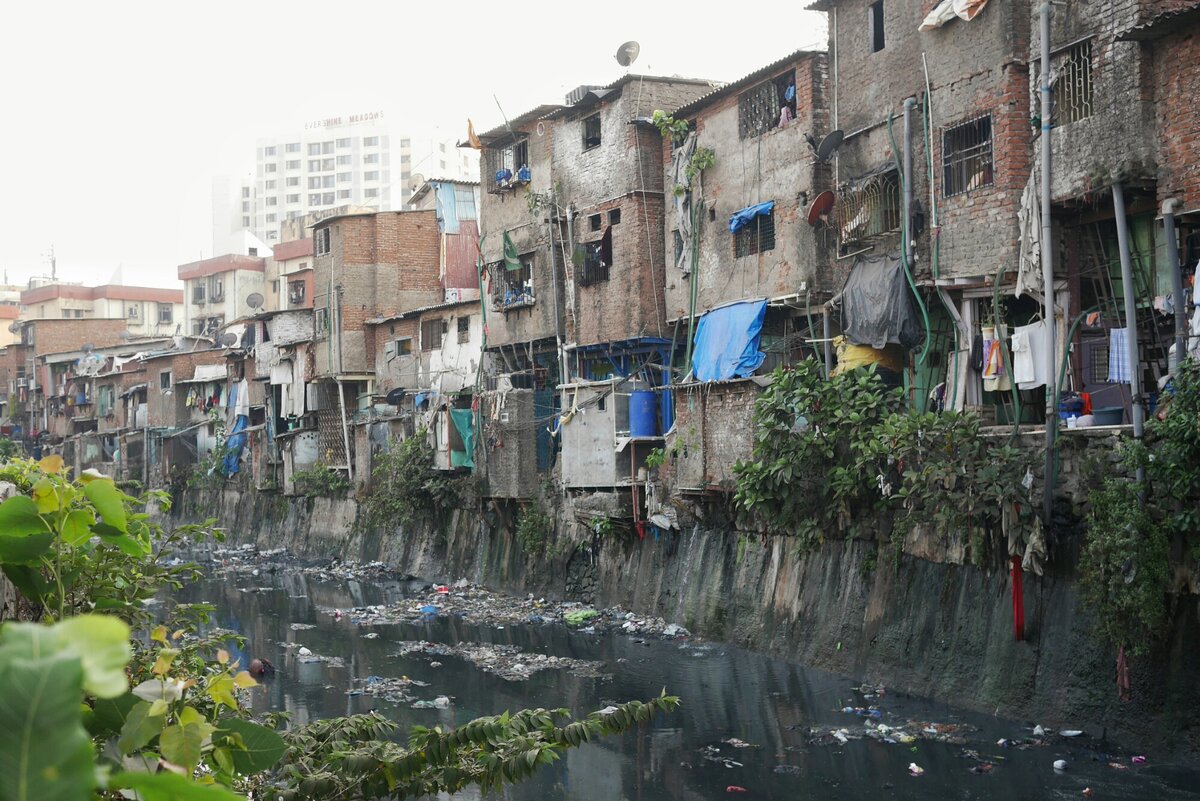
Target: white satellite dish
(415,181)
(254,300)
(628,53)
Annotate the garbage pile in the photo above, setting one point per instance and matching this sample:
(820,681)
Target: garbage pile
(508,662)
(395,690)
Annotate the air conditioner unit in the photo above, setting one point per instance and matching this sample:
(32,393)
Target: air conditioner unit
(453,295)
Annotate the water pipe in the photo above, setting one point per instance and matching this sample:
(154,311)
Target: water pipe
(1131,340)
(1048,267)
(1168,211)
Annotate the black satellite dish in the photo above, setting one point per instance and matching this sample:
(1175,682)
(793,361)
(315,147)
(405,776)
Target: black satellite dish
(254,300)
(395,396)
(829,145)
(628,53)
(228,339)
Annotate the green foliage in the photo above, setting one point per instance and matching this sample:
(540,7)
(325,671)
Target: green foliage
(1125,563)
(356,758)
(669,127)
(535,527)
(834,454)
(656,459)
(809,474)
(601,526)
(320,481)
(405,487)
(702,158)
(8,449)
(74,545)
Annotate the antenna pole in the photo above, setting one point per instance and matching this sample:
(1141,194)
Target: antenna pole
(53,265)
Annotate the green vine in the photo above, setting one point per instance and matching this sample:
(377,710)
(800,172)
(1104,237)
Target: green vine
(535,527)
(405,487)
(320,481)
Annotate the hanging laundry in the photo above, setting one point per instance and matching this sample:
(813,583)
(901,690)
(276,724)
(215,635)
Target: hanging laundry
(785,116)
(1119,371)
(995,378)
(1029,355)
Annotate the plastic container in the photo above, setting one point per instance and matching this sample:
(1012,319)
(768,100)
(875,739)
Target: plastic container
(1109,415)
(643,413)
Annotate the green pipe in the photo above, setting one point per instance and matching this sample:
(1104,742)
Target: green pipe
(692,290)
(904,258)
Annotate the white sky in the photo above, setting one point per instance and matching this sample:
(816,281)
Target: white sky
(117,115)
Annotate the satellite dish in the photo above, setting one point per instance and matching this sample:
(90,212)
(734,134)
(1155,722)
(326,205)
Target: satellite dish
(254,300)
(627,53)
(818,211)
(415,182)
(228,340)
(394,397)
(87,347)
(14,327)
(829,145)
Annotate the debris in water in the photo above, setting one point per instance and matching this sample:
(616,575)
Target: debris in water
(914,769)
(1138,760)
(508,662)
(302,626)
(736,743)
(1060,764)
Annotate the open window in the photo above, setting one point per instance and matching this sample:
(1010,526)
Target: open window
(512,288)
(464,329)
(1071,90)
(875,25)
(594,258)
(591,132)
(508,165)
(769,105)
(321,241)
(296,292)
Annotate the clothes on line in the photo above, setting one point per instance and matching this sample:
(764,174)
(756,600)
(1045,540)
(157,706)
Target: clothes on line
(1119,371)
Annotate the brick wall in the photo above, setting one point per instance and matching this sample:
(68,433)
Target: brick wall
(1176,76)
(378,264)
(399,371)
(165,409)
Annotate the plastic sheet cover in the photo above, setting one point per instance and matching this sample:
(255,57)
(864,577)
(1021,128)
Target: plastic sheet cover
(464,423)
(727,341)
(741,219)
(877,306)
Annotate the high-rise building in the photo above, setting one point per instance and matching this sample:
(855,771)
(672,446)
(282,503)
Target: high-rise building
(354,159)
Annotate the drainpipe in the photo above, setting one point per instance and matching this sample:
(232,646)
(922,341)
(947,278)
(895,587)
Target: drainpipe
(1135,385)
(827,336)
(909,241)
(563,370)
(1168,211)
(345,430)
(1048,273)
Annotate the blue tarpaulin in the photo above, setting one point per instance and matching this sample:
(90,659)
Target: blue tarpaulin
(234,445)
(447,207)
(727,341)
(741,219)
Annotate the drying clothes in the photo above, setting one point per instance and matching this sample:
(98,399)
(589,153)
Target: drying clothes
(785,116)
(1030,349)
(242,409)
(995,377)
(1119,371)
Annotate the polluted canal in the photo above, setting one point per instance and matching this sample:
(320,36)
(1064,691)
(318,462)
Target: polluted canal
(749,727)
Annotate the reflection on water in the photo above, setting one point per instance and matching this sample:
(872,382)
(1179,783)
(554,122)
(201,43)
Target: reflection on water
(727,692)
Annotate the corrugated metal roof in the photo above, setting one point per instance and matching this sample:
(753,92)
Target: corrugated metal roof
(414,312)
(536,113)
(741,83)
(1161,25)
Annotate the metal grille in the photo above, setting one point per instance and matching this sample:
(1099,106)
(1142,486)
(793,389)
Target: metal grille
(761,108)
(757,236)
(967,156)
(1071,87)
(512,289)
(330,442)
(1099,364)
(870,210)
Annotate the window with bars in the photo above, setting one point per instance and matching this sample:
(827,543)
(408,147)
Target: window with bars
(869,208)
(591,132)
(512,289)
(594,259)
(504,163)
(464,329)
(757,236)
(967,156)
(1071,83)
(770,104)
(321,239)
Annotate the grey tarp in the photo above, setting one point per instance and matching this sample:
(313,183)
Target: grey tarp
(877,306)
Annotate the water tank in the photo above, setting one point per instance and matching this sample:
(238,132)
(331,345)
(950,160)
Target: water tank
(643,413)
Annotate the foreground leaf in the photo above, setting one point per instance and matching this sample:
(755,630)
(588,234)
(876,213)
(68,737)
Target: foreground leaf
(260,748)
(45,753)
(168,786)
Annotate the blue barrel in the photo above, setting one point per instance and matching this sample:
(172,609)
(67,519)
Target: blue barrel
(643,414)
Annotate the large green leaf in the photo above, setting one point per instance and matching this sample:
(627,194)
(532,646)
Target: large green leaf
(29,581)
(181,743)
(24,536)
(109,714)
(100,642)
(168,786)
(77,527)
(45,753)
(44,496)
(109,502)
(254,748)
(19,517)
(140,727)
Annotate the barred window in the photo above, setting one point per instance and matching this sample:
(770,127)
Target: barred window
(757,236)
(512,289)
(967,156)
(504,163)
(432,332)
(770,104)
(594,259)
(869,208)
(1071,83)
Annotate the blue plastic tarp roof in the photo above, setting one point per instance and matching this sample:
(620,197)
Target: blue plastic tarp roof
(727,341)
(741,219)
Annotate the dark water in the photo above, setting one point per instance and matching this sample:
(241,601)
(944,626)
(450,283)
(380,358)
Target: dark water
(726,692)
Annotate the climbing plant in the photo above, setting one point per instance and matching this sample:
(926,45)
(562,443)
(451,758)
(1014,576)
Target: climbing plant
(405,487)
(534,528)
(1126,560)
(320,480)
